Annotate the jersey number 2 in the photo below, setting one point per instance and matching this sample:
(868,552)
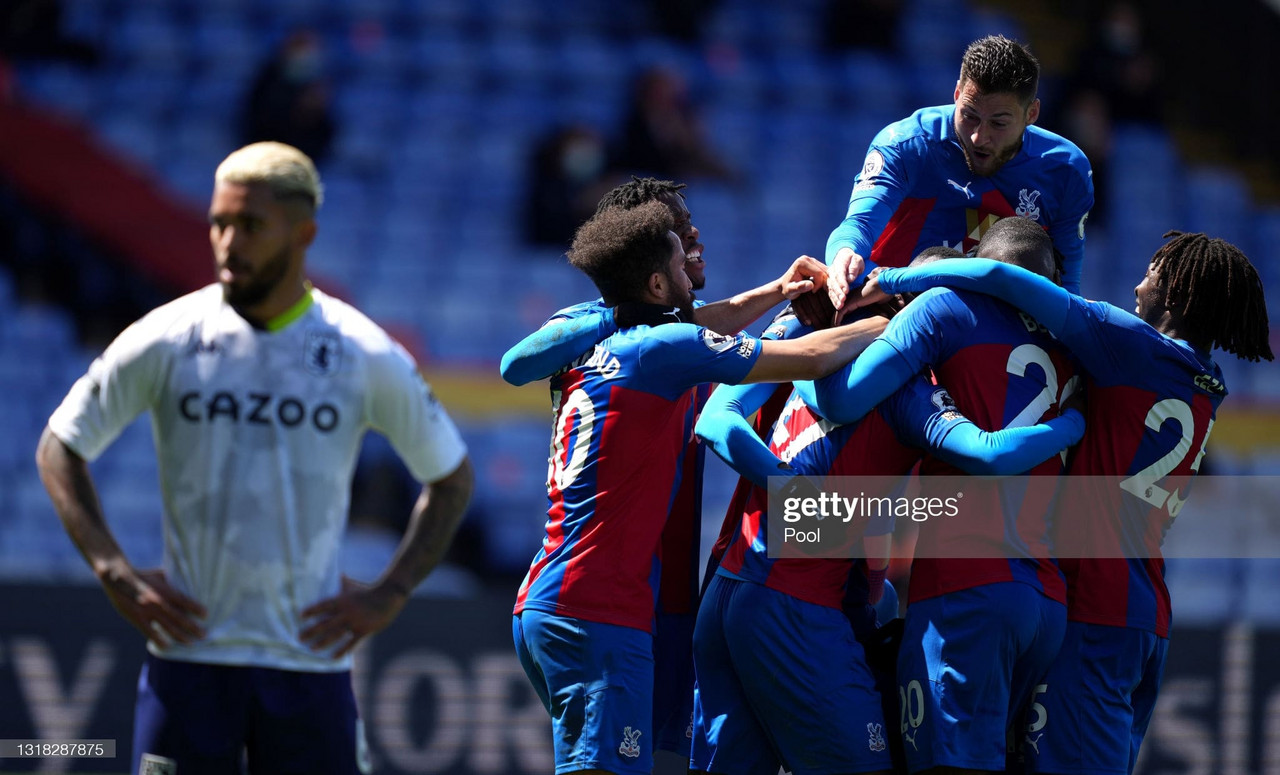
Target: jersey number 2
(1143,484)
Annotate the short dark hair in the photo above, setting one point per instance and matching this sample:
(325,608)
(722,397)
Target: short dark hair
(638,191)
(1211,283)
(619,249)
(935,253)
(997,65)
(1020,242)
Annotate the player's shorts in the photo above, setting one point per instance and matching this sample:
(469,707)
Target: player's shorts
(968,662)
(1101,689)
(781,681)
(194,717)
(596,681)
(673,683)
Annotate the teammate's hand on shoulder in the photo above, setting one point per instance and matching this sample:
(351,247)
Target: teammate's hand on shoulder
(629,314)
(357,611)
(147,601)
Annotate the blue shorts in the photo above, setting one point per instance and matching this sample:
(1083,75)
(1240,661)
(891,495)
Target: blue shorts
(596,681)
(1102,688)
(968,662)
(673,683)
(204,718)
(781,682)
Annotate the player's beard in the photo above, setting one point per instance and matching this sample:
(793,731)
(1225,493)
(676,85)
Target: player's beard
(993,164)
(682,301)
(260,284)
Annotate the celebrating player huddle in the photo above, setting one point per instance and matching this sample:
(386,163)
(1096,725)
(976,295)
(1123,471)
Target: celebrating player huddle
(1013,649)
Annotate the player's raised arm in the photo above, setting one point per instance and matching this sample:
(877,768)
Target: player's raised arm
(555,345)
(1027,291)
(881,186)
(815,355)
(724,426)
(731,315)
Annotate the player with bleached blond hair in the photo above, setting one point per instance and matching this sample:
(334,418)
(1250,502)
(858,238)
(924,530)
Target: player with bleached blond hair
(260,389)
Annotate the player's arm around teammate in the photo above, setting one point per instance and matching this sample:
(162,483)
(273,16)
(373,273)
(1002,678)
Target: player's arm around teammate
(561,339)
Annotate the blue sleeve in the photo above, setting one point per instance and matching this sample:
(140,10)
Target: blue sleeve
(886,176)
(1067,230)
(1027,291)
(723,423)
(925,416)
(681,355)
(917,338)
(555,345)
(866,217)
(853,391)
(1098,334)
(724,427)
(1010,451)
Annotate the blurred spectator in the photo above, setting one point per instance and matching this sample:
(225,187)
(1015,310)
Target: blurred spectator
(662,134)
(866,24)
(568,167)
(289,101)
(1120,66)
(1087,123)
(33,28)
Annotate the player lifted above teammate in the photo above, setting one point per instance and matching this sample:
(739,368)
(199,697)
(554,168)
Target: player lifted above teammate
(260,389)
(944,174)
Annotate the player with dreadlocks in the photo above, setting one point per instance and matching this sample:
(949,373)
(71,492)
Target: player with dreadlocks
(1153,393)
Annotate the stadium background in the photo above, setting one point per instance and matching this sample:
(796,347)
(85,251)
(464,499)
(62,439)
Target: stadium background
(106,168)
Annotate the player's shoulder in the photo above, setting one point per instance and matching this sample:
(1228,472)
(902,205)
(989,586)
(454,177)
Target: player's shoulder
(175,322)
(578,310)
(940,298)
(650,338)
(681,341)
(937,309)
(1055,151)
(924,126)
(352,325)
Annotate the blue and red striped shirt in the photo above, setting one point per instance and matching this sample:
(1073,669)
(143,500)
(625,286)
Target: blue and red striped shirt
(624,416)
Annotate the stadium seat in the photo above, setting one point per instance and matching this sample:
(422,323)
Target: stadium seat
(1218,203)
(804,80)
(934,33)
(876,85)
(151,39)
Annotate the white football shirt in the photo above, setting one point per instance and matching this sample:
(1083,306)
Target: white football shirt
(257,434)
